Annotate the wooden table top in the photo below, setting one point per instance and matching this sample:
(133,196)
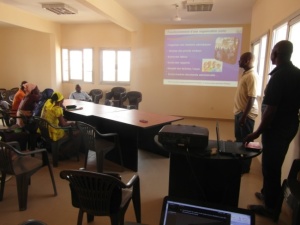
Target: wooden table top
(90,108)
(128,116)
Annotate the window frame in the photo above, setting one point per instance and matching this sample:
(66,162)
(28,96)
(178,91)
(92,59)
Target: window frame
(115,81)
(261,59)
(84,78)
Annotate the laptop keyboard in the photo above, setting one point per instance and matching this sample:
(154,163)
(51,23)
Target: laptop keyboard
(228,146)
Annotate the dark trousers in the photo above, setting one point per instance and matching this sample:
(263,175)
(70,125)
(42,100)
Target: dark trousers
(240,133)
(275,146)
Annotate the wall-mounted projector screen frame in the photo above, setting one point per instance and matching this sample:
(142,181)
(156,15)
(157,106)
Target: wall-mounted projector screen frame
(202,56)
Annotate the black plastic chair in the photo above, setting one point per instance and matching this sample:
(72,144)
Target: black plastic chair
(43,126)
(99,143)
(22,165)
(134,98)
(291,193)
(100,194)
(96,94)
(115,97)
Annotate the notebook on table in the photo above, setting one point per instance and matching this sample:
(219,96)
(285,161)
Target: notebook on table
(189,212)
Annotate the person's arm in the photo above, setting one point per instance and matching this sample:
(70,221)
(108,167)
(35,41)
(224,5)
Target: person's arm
(246,111)
(87,97)
(266,119)
(71,96)
(63,122)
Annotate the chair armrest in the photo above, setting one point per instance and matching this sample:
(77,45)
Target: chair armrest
(134,180)
(14,144)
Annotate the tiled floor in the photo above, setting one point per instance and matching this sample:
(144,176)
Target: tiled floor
(153,172)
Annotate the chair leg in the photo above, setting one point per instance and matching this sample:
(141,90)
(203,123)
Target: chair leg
(136,200)
(80,217)
(22,188)
(90,218)
(3,177)
(100,161)
(55,149)
(52,179)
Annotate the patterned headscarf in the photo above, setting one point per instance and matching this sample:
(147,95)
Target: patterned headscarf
(29,87)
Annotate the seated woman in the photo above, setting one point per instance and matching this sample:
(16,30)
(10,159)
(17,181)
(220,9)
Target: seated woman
(27,105)
(53,113)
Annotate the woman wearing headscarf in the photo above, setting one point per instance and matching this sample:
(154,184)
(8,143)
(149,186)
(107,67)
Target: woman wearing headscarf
(27,105)
(53,113)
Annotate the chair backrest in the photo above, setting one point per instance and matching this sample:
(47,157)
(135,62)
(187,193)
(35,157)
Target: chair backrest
(14,89)
(96,94)
(134,98)
(295,170)
(97,194)
(117,92)
(43,128)
(6,155)
(8,95)
(89,134)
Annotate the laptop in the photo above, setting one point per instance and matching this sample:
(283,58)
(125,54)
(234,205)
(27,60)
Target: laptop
(228,147)
(177,211)
(236,149)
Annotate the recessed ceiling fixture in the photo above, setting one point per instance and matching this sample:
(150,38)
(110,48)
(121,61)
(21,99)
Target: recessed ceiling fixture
(176,17)
(59,8)
(198,5)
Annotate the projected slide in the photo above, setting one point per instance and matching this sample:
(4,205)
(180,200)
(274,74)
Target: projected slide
(205,57)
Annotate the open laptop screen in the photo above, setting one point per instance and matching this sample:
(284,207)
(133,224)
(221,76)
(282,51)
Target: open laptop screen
(177,211)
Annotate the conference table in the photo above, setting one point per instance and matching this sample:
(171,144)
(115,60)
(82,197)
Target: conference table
(136,128)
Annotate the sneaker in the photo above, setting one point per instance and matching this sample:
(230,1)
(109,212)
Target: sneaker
(262,210)
(260,196)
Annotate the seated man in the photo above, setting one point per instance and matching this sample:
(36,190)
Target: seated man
(80,95)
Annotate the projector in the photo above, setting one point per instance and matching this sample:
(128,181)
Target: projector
(184,136)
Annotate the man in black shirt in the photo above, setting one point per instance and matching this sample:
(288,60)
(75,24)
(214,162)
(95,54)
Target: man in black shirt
(279,125)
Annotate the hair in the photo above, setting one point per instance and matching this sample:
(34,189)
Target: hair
(54,98)
(284,49)
(22,83)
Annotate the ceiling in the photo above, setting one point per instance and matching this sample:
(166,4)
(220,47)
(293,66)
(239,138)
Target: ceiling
(145,11)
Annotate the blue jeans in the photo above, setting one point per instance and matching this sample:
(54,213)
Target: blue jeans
(240,133)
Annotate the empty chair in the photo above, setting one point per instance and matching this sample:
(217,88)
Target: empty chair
(22,165)
(43,126)
(97,142)
(8,95)
(96,94)
(100,194)
(291,193)
(115,97)
(134,98)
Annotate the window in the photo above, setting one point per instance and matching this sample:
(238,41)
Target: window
(115,66)
(77,64)
(259,50)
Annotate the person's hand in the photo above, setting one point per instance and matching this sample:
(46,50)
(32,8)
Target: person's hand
(250,137)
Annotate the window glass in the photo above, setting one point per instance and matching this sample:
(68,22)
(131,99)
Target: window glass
(116,66)
(77,64)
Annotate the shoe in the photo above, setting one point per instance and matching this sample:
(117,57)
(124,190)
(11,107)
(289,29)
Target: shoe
(262,210)
(260,196)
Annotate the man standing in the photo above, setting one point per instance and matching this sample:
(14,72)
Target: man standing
(245,103)
(279,125)
(80,95)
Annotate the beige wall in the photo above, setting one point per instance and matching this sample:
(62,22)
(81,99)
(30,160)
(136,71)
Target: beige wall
(24,55)
(265,15)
